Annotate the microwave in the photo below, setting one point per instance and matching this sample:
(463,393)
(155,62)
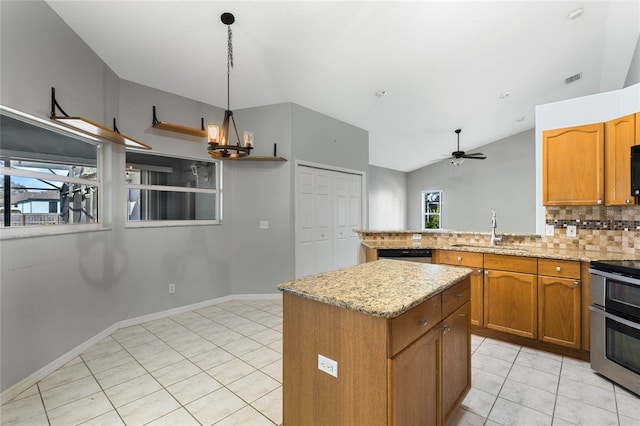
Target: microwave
(635,170)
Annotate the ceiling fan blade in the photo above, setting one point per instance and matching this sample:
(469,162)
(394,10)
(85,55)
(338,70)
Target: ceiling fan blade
(475,154)
(474,157)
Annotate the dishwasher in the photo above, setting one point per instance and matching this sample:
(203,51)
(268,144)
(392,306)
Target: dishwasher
(412,255)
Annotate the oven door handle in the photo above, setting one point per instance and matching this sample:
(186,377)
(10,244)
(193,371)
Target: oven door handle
(615,318)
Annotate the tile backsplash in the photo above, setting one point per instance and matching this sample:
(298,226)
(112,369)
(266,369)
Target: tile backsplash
(600,228)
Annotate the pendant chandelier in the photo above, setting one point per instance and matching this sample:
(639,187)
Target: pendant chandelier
(220,144)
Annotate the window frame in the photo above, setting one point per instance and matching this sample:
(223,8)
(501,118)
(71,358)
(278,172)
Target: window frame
(7,233)
(169,188)
(424,213)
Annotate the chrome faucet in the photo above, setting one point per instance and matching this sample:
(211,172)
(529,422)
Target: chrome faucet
(494,224)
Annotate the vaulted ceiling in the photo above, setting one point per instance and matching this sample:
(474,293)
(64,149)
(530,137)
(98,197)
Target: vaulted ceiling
(443,64)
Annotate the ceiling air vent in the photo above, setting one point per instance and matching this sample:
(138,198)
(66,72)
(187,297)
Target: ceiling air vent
(573,78)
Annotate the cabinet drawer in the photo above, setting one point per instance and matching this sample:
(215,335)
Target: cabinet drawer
(559,268)
(460,258)
(406,328)
(501,262)
(456,296)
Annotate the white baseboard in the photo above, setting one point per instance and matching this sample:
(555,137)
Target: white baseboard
(34,378)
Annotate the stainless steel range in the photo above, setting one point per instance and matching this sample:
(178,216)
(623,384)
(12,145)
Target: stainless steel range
(615,321)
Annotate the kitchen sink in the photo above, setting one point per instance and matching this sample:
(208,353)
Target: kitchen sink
(483,247)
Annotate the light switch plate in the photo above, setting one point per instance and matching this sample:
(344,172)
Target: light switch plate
(549,230)
(264,224)
(328,365)
(571,231)
(417,236)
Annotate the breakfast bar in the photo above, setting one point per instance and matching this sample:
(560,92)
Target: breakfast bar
(381,343)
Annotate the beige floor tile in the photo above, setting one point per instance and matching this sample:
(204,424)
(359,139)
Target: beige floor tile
(529,396)
(146,349)
(120,374)
(21,410)
(70,392)
(278,327)
(212,358)
(209,311)
(244,417)
(159,325)
(104,347)
(628,405)
(131,341)
(509,413)
(176,372)
(588,394)
(76,360)
(478,402)
(180,338)
(110,418)
(132,390)
(148,408)
(542,353)
(230,371)
(261,357)
(80,411)
(538,379)
(270,405)
(193,388)
(196,347)
(486,381)
(179,417)
(276,346)
(540,363)
(463,417)
(241,347)
(64,375)
(274,370)
(496,350)
(160,360)
(266,336)
(33,390)
(250,329)
(215,406)
(257,315)
(627,421)
(253,386)
(583,414)
(579,373)
(273,321)
(490,364)
(96,365)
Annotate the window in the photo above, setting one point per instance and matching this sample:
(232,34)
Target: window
(168,190)
(49,179)
(432,209)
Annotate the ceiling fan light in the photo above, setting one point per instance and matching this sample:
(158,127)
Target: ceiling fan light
(457,161)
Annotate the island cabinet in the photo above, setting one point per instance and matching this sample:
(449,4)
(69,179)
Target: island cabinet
(413,368)
(511,294)
(470,260)
(559,302)
(573,166)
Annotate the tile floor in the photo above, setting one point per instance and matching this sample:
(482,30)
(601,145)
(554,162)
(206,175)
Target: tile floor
(221,365)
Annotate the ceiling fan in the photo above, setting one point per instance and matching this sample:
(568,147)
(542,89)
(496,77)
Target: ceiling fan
(457,157)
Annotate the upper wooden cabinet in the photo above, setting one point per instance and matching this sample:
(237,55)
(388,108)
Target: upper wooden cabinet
(573,166)
(620,136)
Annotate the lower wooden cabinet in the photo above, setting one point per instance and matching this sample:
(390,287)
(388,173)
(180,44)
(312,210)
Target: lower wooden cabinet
(510,302)
(456,344)
(559,311)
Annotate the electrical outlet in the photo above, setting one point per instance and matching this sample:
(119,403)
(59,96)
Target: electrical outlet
(549,230)
(417,236)
(328,365)
(264,224)
(571,230)
(172,288)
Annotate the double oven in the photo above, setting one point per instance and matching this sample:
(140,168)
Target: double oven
(615,321)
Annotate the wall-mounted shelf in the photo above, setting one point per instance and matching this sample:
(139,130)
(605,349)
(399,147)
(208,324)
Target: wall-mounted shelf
(255,158)
(177,128)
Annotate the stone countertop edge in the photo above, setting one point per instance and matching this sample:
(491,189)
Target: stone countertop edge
(384,288)
(544,253)
(446,231)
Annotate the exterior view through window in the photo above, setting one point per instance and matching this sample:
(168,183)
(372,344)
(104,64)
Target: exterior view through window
(174,191)
(47,178)
(432,209)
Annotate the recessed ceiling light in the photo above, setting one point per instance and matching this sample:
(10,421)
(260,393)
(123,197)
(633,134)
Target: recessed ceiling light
(575,13)
(504,95)
(381,93)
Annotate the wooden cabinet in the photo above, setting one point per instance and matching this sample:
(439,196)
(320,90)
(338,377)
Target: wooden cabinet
(573,166)
(470,260)
(510,294)
(456,344)
(559,302)
(620,136)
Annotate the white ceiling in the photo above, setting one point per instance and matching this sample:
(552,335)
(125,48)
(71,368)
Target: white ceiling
(443,63)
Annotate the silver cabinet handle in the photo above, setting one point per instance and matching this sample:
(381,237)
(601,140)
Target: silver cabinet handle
(628,201)
(459,258)
(486,272)
(479,271)
(460,296)
(599,201)
(558,268)
(445,329)
(423,321)
(576,283)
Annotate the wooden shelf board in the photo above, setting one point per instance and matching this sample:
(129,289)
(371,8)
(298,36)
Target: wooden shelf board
(192,131)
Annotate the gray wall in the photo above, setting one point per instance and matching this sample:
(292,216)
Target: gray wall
(387,199)
(505,181)
(633,76)
(58,291)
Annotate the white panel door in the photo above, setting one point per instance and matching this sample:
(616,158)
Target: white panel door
(347,217)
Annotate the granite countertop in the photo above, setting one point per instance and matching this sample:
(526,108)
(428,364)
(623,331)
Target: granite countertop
(384,288)
(545,253)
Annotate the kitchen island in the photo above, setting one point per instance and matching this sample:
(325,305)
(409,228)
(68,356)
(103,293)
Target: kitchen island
(381,343)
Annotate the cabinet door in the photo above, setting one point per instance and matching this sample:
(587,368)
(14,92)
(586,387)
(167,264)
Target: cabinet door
(619,138)
(573,166)
(510,302)
(456,364)
(559,311)
(477,297)
(415,397)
